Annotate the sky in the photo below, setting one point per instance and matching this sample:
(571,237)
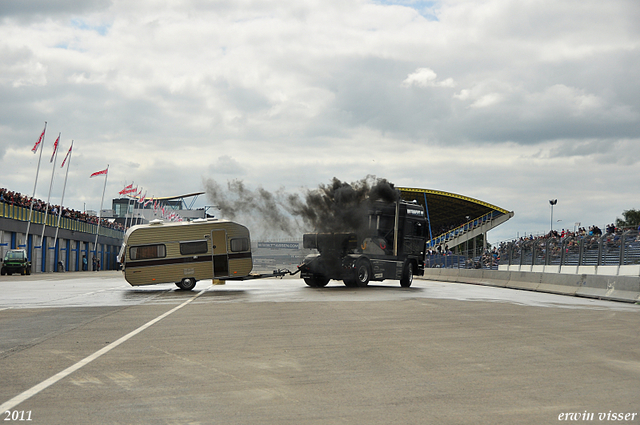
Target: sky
(512,102)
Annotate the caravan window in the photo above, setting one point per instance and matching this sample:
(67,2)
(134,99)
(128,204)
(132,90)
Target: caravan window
(239,244)
(147,252)
(193,247)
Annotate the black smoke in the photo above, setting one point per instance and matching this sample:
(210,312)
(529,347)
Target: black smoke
(335,207)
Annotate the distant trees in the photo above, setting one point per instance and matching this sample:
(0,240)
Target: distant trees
(631,219)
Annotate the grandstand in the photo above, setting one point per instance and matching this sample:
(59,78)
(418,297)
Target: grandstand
(455,219)
(614,253)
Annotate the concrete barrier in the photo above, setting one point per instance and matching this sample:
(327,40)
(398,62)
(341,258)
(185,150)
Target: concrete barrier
(495,278)
(586,269)
(615,288)
(607,270)
(629,270)
(447,275)
(552,269)
(569,269)
(470,276)
(524,280)
(565,284)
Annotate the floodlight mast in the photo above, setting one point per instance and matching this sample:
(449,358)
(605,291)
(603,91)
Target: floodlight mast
(552,202)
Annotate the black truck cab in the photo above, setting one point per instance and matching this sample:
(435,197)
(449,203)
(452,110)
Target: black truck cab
(390,245)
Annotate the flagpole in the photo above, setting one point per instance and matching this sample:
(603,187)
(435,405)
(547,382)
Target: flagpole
(127,214)
(63,190)
(138,219)
(95,244)
(26,237)
(46,210)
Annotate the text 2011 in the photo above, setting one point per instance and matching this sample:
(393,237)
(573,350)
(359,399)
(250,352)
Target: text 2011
(17,415)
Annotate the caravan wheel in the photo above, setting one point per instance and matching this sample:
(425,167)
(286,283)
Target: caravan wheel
(187,284)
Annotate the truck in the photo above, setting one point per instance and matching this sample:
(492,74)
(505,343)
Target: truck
(16,261)
(390,245)
(185,252)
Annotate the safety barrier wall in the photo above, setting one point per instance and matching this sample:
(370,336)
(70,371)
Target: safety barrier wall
(615,288)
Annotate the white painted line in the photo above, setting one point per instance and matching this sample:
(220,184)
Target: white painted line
(8,405)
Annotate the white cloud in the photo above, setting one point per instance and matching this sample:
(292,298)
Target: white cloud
(425,77)
(291,93)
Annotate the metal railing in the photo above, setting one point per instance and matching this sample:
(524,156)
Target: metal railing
(615,249)
(16,212)
(611,249)
(464,228)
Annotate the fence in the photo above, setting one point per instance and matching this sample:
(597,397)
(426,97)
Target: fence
(612,249)
(19,213)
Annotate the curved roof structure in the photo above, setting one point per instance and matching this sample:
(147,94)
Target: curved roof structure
(447,211)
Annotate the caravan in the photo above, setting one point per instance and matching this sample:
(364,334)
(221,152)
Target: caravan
(185,252)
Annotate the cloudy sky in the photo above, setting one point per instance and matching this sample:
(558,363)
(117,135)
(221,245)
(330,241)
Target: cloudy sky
(513,102)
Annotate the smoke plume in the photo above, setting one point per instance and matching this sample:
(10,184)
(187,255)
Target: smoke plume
(334,207)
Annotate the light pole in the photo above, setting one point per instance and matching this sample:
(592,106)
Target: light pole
(552,202)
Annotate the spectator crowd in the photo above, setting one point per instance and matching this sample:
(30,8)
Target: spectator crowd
(15,198)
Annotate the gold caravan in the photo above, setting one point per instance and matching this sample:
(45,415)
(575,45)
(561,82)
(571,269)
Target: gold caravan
(185,252)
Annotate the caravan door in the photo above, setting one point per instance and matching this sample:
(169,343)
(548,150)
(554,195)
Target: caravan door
(220,254)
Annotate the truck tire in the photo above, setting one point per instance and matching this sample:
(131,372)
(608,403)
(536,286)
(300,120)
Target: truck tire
(187,284)
(407,275)
(317,281)
(3,272)
(363,273)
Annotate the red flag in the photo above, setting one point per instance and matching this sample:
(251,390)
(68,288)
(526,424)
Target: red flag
(55,148)
(67,155)
(100,173)
(35,147)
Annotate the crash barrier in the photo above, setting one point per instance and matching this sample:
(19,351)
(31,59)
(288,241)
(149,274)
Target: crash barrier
(614,288)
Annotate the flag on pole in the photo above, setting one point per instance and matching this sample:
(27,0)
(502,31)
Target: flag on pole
(55,149)
(100,173)
(126,191)
(67,155)
(35,147)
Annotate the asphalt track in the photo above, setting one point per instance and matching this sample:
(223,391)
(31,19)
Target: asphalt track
(86,348)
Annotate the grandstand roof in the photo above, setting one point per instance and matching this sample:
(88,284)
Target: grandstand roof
(171,198)
(446,208)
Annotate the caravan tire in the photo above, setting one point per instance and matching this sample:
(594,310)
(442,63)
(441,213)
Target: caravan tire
(187,284)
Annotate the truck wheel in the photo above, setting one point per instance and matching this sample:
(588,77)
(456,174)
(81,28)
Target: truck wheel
(187,284)
(363,273)
(3,272)
(407,275)
(317,281)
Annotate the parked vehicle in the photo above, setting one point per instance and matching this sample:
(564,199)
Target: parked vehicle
(16,261)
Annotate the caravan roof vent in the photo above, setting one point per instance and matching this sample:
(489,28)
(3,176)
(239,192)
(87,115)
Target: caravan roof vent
(156,222)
